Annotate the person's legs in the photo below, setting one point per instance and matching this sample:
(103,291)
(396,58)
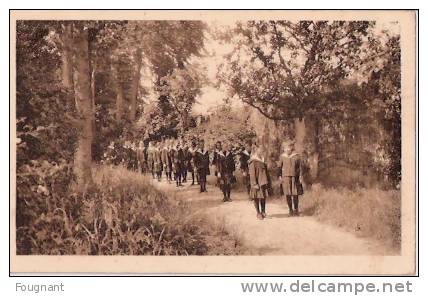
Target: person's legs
(201,186)
(263,206)
(296,204)
(229,189)
(248,185)
(263,200)
(223,188)
(193,178)
(290,204)
(203,181)
(256,205)
(184,175)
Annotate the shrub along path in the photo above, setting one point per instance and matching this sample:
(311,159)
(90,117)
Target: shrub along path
(278,234)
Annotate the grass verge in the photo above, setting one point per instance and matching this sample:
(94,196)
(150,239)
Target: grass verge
(122,214)
(370,213)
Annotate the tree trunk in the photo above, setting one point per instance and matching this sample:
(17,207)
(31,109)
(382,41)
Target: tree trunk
(119,102)
(300,134)
(119,92)
(307,141)
(317,150)
(135,84)
(83,97)
(66,56)
(93,98)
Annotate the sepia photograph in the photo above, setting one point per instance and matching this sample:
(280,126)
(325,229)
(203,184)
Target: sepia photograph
(268,142)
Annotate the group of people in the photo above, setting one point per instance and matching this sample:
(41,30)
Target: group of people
(176,159)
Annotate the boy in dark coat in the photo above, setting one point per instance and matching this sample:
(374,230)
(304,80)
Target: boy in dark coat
(191,162)
(202,164)
(259,182)
(185,166)
(226,171)
(177,162)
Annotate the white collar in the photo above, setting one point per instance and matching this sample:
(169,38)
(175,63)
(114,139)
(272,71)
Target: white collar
(290,156)
(255,157)
(246,152)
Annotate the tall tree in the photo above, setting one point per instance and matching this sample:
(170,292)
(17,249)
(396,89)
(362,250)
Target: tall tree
(66,55)
(83,97)
(281,68)
(135,83)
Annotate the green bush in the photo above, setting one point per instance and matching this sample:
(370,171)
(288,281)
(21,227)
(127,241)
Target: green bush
(122,214)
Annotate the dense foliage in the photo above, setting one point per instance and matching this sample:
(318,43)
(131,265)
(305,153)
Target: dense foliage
(122,215)
(339,80)
(225,125)
(45,128)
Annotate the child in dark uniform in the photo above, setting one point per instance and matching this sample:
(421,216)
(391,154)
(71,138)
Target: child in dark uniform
(290,175)
(259,182)
(202,164)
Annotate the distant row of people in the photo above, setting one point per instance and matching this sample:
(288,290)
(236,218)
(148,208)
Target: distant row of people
(169,156)
(176,159)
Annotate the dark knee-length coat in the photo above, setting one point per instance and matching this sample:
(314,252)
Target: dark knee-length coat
(202,162)
(226,169)
(258,174)
(177,159)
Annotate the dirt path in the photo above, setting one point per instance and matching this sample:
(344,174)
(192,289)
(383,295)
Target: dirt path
(278,234)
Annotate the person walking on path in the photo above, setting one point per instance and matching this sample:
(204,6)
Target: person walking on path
(177,162)
(244,159)
(216,161)
(290,176)
(259,182)
(202,164)
(166,161)
(157,159)
(226,171)
(150,159)
(191,162)
(185,166)
(142,158)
